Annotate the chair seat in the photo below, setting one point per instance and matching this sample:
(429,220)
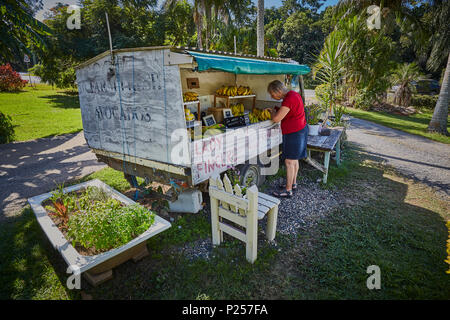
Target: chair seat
(265,203)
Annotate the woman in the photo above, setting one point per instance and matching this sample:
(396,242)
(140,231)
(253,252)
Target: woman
(294,130)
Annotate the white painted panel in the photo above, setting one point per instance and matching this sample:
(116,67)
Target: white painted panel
(133,107)
(216,154)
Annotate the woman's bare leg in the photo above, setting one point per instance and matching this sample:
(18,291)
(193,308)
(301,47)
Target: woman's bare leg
(290,171)
(296,167)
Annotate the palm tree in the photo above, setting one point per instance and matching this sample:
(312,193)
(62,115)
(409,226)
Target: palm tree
(439,35)
(260,29)
(402,76)
(199,10)
(19,30)
(440,51)
(330,66)
(438,122)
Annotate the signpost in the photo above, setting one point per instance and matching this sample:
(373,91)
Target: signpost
(26,59)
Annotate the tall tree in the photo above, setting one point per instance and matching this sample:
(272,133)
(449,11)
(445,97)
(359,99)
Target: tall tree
(440,40)
(438,122)
(19,30)
(260,29)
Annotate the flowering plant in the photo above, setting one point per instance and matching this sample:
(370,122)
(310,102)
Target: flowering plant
(10,80)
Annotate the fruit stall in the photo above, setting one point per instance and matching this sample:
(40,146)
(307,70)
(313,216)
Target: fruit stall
(181,115)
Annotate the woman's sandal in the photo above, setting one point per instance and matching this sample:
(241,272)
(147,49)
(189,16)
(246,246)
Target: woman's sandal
(294,187)
(283,194)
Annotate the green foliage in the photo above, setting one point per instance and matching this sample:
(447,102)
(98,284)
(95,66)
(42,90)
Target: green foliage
(330,67)
(424,101)
(313,112)
(363,99)
(302,37)
(338,111)
(6,129)
(95,220)
(19,30)
(322,93)
(402,77)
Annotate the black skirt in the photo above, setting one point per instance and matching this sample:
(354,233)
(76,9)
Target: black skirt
(294,144)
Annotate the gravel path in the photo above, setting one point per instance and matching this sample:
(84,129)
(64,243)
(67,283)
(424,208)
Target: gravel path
(416,157)
(33,167)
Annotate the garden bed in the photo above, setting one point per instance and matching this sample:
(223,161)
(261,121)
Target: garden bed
(94,260)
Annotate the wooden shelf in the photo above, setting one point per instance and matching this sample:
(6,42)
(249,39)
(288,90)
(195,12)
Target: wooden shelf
(197,102)
(253,96)
(235,97)
(191,102)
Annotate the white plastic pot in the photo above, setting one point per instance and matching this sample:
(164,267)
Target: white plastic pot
(313,130)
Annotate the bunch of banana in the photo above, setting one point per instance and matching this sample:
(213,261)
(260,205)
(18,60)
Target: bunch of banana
(190,96)
(265,115)
(188,115)
(227,91)
(253,118)
(237,109)
(244,91)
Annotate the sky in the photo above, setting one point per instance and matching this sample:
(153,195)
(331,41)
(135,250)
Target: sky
(267,4)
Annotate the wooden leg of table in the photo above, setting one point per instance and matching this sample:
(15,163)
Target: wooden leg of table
(326,164)
(338,152)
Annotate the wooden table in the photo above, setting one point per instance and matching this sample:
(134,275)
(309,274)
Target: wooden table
(325,144)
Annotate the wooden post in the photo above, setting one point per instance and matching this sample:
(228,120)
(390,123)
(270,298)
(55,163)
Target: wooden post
(214,216)
(251,247)
(271,228)
(302,89)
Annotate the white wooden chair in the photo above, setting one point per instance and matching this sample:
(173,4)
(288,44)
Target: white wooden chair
(228,203)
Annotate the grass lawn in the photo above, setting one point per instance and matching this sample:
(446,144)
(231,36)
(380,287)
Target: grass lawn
(41,112)
(416,124)
(385,220)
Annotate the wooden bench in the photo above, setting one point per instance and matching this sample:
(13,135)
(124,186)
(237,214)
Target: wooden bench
(325,144)
(228,203)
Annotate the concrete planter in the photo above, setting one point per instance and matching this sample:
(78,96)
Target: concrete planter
(97,268)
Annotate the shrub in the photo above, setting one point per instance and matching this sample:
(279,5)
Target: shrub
(424,101)
(10,80)
(364,99)
(322,94)
(6,129)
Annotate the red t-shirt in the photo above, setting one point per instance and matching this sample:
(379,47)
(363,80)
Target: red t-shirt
(295,119)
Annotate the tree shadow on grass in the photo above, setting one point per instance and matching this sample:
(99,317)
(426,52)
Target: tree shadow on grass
(30,267)
(64,100)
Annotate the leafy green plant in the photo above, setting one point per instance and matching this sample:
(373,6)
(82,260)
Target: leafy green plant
(424,101)
(313,112)
(402,76)
(108,225)
(6,129)
(338,110)
(63,204)
(95,220)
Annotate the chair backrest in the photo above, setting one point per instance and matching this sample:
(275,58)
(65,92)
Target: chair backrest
(231,198)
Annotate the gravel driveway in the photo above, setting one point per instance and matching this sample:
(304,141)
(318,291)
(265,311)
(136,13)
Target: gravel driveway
(33,167)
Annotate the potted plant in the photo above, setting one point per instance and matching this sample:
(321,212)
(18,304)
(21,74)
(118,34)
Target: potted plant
(95,228)
(313,112)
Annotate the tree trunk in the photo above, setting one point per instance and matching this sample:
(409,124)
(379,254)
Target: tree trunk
(260,29)
(199,34)
(438,122)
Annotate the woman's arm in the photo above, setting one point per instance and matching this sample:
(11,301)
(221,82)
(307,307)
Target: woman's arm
(279,115)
